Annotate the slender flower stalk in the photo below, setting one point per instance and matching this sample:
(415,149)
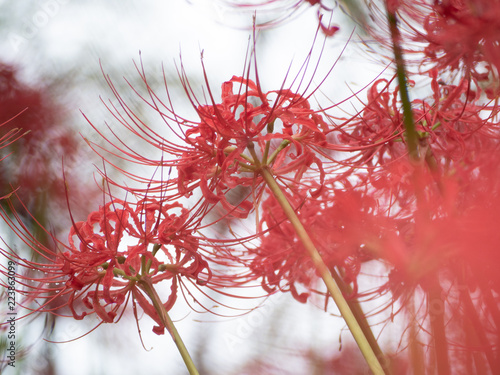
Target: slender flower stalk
(437,319)
(434,292)
(146,285)
(416,354)
(324,272)
(408,120)
(360,317)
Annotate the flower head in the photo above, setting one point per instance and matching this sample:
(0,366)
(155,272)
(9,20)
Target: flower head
(232,139)
(450,123)
(110,255)
(450,36)
(463,34)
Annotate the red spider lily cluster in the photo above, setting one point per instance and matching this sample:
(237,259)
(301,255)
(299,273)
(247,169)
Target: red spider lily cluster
(110,256)
(461,34)
(409,183)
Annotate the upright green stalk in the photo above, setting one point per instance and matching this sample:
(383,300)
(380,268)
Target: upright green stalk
(331,285)
(408,121)
(436,312)
(147,287)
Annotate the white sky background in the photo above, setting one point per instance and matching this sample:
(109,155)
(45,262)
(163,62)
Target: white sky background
(67,35)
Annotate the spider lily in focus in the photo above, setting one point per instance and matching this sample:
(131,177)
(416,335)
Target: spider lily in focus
(110,258)
(235,137)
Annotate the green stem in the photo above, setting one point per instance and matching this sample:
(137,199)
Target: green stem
(361,319)
(147,287)
(325,274)
(270,129)
(282,146)
(408,121)
(491,307)
(145,266)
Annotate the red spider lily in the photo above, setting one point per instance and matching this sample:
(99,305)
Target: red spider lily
(339,222)
(449,124)
(456,135)
(437,234)
(19,97)
(380,119)
(108,257)
(463,34)
(280,119)
(246,130)
(432,211)
(433,225)
(452,35)
(454,121)
(34,111)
